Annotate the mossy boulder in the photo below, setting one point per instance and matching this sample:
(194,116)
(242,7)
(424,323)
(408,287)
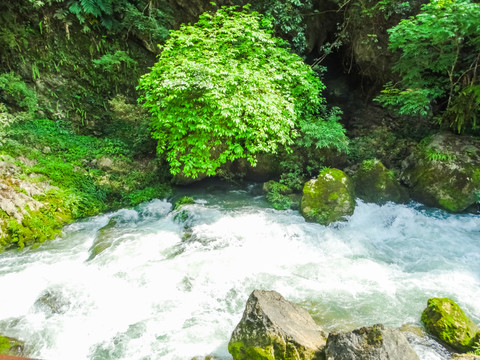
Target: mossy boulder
(374,183)
(328,198)
(11,346)
(369,343)
(444,172)
(273,328)
(444,319)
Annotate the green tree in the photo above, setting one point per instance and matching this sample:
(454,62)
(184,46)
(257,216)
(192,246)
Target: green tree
(439,63)
(225,88)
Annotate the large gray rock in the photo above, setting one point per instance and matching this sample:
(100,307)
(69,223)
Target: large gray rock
(273,328)
(328,198)
(444,172)
(369,343)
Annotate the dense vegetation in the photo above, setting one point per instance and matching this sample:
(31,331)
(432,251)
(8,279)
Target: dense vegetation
(225,89)
(439,64)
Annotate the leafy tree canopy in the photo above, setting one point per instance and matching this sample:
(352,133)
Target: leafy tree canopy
(439,62)
(225,89)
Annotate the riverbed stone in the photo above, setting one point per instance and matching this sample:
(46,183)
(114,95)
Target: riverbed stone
(465,357)
(374,183)
(375,342)
(328,198)
(444,172)
(273,328)
(444,319)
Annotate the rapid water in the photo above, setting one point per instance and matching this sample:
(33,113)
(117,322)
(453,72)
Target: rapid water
(170,289)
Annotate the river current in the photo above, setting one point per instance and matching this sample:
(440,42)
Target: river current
(173,285)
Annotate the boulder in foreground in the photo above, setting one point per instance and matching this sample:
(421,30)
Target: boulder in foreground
(273,328)
(444,319)
(369,343)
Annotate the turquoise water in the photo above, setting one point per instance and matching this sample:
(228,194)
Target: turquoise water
(166,289)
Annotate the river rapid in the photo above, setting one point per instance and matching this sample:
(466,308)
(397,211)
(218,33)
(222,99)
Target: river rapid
(172,285)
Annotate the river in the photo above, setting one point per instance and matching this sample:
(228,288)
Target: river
(167,288)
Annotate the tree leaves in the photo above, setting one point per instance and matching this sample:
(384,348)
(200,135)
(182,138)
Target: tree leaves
(440,61)
(224,89)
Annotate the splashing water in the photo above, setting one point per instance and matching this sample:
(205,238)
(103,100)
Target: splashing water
(165,288)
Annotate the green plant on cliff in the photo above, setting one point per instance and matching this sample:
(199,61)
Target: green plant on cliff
(225,89)
(439,64)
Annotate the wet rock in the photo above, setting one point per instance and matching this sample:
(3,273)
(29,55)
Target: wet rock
(273,328)
(52,302)
(465,357)
(444,172)
(369,343)
(104,239)
(328,198)
(374,183)
(444,319)
(11,346)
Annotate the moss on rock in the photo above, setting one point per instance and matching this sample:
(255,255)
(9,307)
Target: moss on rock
(375,183)
(444,319)
(328,198)
(444,172)
(10,346)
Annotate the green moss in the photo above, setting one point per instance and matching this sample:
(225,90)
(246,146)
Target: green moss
(185,200)
(9,346)
(328,198)
(240,351)
(375,183)
(446,320)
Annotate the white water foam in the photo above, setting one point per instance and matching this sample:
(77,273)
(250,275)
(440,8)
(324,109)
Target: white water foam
(171,290)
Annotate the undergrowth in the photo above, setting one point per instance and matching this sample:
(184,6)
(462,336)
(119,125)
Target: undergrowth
(88,175)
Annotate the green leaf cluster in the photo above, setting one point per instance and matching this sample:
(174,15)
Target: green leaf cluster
(439,63)
(14,91)
(288,19)
(225,88)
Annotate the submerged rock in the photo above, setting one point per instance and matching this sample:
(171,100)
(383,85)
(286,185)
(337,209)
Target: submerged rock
(328,198)
(369,343)
(444,172)
(52,302)
(444,319)
(273,328)
(376,184)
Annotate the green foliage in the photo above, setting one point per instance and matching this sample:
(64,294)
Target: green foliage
(184,200)
(432,154)
(118,61)
(439,63)
(288,19)
(14,91)
(476,348)
(277,195)
(82,185)
(225,88)
(150,192)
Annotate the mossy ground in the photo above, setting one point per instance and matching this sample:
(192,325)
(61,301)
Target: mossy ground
(88,175)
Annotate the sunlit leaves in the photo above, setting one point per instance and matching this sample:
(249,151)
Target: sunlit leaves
(439,62)
(224,89)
